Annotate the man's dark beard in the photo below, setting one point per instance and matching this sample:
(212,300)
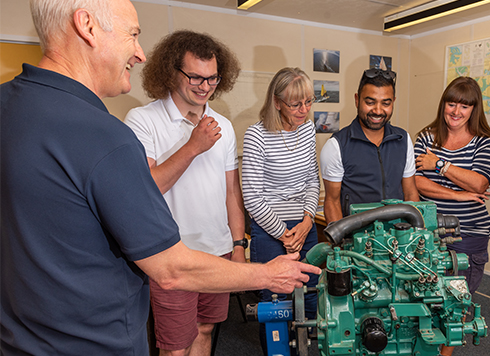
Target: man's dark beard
(366,122)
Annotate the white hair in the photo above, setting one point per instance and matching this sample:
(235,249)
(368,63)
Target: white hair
(51,17)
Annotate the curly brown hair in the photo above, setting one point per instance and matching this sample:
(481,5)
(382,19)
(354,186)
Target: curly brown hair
(167,57)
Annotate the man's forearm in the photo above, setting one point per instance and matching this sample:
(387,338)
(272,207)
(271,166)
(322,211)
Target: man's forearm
(332,211)
(168,172)
(236,213)
(180,268)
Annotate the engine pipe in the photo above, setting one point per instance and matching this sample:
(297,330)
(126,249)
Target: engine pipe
(318,255)
(336,231)
(448,224)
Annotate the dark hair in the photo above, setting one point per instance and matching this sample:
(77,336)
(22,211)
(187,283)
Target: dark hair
(462,90)
(378,80)
(161,69)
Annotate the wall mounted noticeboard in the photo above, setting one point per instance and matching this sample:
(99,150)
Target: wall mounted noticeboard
(12,55)
(470,59)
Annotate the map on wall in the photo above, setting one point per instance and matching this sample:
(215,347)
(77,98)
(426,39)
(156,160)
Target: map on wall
(471,59)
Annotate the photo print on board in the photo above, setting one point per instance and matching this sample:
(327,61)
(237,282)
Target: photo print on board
(325,60)
(326,121)
(380,62)
(326,91)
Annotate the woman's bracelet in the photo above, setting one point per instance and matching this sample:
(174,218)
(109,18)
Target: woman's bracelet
(445,168)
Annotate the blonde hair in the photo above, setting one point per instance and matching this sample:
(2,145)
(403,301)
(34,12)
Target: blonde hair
(288,84)
(51,17)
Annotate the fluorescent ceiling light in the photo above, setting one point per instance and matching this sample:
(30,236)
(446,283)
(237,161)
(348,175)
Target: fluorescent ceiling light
(245,4)
(429,11)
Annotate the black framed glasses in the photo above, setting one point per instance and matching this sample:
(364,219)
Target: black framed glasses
(212,81)
(296,106)
(374,72)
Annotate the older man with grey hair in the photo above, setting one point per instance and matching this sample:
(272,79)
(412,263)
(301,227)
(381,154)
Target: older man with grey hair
(83,223)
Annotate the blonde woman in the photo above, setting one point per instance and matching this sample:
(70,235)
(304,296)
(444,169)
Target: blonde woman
(280,176)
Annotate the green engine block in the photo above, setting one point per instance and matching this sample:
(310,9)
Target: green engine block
(385,288)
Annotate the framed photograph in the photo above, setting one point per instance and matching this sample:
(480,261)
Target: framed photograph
(326,121)
(326,91)
(325,60)
(380,62)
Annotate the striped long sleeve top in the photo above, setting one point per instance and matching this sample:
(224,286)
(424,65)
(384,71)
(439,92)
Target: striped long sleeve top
(280,175)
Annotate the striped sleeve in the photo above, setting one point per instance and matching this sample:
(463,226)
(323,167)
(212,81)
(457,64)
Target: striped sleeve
(481,160)
(253,183)
(313,179)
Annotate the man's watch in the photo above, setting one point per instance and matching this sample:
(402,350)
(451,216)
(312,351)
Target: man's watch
(439,164)
(243,242)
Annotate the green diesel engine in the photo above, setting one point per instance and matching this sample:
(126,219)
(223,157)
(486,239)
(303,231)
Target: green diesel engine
(385,289)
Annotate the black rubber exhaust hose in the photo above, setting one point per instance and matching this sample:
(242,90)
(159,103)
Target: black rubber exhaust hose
(336,231)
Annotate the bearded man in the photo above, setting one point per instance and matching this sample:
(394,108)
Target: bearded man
(370,160)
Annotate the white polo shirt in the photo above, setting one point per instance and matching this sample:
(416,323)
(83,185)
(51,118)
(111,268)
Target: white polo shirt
(198,199)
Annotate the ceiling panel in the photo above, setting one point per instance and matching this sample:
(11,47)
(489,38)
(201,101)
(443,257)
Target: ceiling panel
(359,14)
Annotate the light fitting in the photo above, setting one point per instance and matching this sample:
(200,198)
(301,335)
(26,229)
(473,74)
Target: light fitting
(428,11)
(246,4)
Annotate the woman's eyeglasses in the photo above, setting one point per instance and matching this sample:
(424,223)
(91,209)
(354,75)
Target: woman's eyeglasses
(296,106)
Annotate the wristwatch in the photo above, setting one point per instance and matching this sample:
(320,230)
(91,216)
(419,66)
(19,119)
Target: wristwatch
(310,216)
(439,164)
(243,242)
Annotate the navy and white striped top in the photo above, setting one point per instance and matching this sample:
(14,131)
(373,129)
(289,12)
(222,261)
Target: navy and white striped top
(280,175)
(473,217)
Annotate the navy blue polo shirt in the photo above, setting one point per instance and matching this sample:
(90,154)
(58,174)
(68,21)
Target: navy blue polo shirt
(78,206)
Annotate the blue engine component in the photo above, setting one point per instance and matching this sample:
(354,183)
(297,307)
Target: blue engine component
(275,315)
